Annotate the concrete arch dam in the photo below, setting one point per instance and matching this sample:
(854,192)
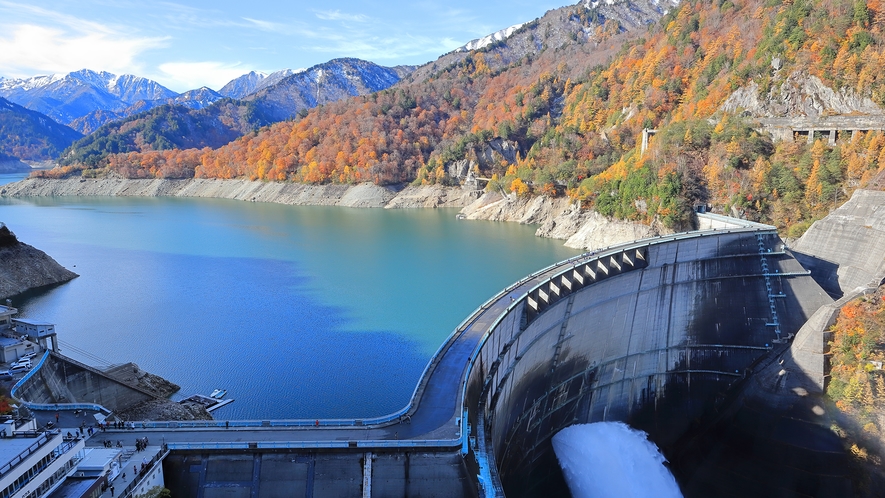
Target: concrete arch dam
(656,333)
(653,335)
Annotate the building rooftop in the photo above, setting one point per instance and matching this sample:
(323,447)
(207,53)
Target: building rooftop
(74,487)
(15,449)
(8,341)
(36,323)
(98,459)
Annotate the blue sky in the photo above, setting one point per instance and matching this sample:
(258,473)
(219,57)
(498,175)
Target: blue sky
(192,43)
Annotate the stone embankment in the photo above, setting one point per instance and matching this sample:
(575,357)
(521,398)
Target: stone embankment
(558,217)
(164,409)
(23,267)
(131,374)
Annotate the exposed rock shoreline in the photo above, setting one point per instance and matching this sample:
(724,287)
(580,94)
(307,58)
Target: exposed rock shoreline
(558,217)
(23,267)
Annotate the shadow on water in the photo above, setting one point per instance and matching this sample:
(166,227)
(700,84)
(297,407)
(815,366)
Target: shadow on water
(255,327)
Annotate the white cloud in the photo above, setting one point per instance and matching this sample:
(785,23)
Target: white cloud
(337,15)
(272,27)
(183,76)
(29,49)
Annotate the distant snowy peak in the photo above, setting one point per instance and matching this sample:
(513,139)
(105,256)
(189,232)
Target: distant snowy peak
(26,84)
(488,40)
(66,97)
(126,87)
(198,99)
(593,4)
(254,81)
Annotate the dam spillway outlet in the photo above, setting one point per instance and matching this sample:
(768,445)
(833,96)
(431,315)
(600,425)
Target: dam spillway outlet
(611,460)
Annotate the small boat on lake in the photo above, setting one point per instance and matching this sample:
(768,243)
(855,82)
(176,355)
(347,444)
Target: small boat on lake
(218,393)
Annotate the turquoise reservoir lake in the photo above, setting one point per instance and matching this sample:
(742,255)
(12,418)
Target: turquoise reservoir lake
(299,312)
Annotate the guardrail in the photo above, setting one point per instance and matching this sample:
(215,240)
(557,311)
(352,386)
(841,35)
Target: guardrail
(320,444)
(14,391)
(140,475)
(42,439)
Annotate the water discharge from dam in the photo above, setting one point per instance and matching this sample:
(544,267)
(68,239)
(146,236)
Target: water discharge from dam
(611,460)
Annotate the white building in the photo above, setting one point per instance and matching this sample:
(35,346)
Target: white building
(14,344)
(33,464)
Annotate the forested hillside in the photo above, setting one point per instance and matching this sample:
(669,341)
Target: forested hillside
(167,127)
(29,135)
(182,126)
(573,91)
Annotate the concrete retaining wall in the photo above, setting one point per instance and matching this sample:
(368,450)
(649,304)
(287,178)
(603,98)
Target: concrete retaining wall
(62,380)
(846,250)
(317,474)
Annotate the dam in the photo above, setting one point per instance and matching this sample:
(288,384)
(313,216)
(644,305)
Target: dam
(659,333)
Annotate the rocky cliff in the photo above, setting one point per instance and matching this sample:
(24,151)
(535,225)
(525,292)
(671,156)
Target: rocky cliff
(23,267)
(799,96)
(558,217)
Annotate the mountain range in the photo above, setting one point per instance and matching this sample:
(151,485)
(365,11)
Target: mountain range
(65,97)
(87,100)
(173,126)
(560,104)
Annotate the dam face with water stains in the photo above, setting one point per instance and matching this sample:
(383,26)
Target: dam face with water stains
(653,336)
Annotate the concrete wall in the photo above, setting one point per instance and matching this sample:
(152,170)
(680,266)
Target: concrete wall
(655,346)
(846,250)
(62,380)
(316,474)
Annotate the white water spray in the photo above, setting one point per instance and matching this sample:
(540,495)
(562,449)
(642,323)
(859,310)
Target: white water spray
(611,460)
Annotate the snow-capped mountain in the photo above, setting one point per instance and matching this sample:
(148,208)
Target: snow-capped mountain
(322,84)
(197,99)
(254,81)
(65,97)
(485,41)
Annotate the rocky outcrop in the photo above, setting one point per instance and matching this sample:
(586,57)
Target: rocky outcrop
(131,374)
(800,96)
(23,267)
(164,409)
(559,218)
(484,155)
(590,230)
